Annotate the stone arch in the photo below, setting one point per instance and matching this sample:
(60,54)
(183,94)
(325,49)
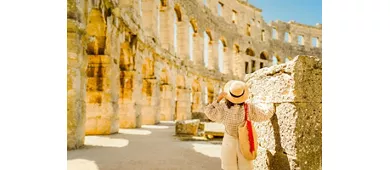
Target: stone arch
(208,32)
(222,55)
(264,55)
(207,41)
(194,25)
(163,3)
(192,39)
(96,31)
(276,59)
(224,43)
(249,51)
(178,12)
(236,48)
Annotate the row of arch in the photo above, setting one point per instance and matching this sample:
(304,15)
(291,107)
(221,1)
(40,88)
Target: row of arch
(213,55)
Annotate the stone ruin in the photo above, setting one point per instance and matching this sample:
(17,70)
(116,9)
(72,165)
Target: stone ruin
(137,62)
(292,139)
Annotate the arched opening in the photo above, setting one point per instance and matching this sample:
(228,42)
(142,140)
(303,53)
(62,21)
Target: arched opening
(206,48)
(163,3)
(274,33)
(264,55)
(178,12)
(176,21)
(288,59)
(264,59)
(191,41)
(276,60)
(250,52)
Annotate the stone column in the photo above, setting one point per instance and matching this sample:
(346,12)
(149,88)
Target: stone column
(76,77)
(166,28)
(137,97)
(166,108)
(213,56)
(127,114)
(227,61)
(103,76)
(182,39)
(292,139)
(183,107)
(149,102)
(196,101)
(149,17)
(241,65)
(198,49)
(101,113)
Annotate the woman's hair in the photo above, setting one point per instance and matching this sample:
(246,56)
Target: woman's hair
(230,104)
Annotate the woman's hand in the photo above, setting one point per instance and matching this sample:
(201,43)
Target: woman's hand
(221,96)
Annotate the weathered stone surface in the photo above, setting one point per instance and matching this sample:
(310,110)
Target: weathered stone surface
(189,127)
(126,66)
(77,62)
(298,81)
(292,138)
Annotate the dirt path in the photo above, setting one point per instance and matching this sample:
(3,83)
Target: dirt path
(148,148)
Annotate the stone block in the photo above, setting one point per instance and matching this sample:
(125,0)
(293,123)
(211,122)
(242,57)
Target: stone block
(200,115)
(297,81)
(102,119)
(187,127)
(295,129)
(292,138)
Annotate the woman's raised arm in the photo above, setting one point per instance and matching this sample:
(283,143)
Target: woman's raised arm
(214,111)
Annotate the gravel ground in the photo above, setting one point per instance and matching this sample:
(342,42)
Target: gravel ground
(151,147)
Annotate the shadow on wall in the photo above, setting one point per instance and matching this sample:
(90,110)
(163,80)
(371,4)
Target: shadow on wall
(279,160)
(151,147)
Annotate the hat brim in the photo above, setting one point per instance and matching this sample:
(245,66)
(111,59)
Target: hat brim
(232,99)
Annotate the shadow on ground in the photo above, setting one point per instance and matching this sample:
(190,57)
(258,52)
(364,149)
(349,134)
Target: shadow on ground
(148,148)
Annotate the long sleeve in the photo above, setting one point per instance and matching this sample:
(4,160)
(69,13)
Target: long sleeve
(259,112)
(214,111)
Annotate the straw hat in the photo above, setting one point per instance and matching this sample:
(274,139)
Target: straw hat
(236,91)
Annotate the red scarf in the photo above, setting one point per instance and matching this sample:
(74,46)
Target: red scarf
(250,128)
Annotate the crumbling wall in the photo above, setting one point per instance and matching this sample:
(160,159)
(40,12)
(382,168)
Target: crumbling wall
(292,139)
(76,66)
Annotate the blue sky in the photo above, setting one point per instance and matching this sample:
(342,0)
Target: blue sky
(303,11)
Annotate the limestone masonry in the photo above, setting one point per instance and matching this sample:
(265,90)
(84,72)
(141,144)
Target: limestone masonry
(138,62)
(292,139)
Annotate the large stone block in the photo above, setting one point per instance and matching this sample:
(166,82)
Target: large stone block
(292,138)
(187,127)
(297,81)
(295,130)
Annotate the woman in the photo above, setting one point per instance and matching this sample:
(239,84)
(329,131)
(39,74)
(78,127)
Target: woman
(231,114)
